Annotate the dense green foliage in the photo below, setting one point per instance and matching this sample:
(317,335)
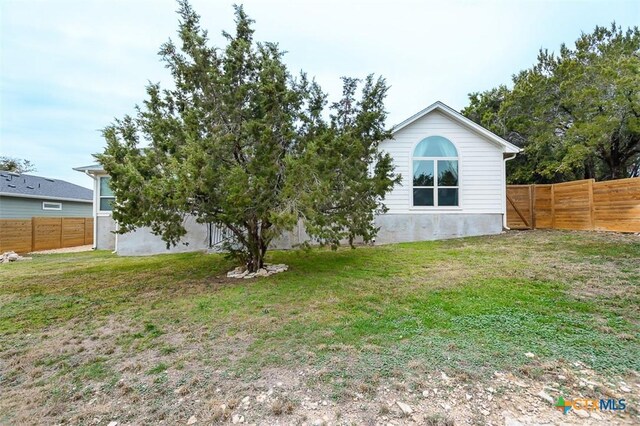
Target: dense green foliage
(16,165)
(240,143)
(575,114)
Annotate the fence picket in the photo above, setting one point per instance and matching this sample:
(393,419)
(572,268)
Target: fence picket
(581,205)
(43,233)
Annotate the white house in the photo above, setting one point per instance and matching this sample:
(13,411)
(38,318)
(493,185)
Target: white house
(453,185)
(453,178)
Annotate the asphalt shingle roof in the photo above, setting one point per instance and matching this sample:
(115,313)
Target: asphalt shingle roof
(24,184)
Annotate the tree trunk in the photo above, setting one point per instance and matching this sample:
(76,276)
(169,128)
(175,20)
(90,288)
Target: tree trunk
(255,248)
(255,261)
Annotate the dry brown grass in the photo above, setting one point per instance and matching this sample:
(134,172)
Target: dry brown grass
(89,335)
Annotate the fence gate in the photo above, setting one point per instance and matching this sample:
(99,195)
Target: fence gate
(520,207)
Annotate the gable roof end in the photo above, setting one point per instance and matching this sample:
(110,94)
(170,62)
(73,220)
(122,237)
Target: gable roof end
(461,119)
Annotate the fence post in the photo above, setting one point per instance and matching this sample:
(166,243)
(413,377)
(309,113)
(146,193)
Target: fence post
(33,234)
(553,207)
(592,208)
(532,191)
(61,231)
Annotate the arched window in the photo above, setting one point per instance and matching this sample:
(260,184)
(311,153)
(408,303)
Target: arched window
(435,173)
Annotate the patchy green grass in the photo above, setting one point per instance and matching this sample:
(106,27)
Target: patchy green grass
(74,324)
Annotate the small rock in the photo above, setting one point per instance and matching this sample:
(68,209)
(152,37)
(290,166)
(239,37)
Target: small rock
(581,413)
(425,393)
(561,377)
(468,397)
(444,377)
(546,397)
(492,390)
(509,420)
(485,412)
(529,355)
(406,410)
(245,399)
(446,406)
(262,272)
(192,420)
(318,422)
(237,418)
(625,389)
(113,423)
(279,384)
(261,398)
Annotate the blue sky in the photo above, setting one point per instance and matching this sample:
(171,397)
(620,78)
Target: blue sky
(68,67)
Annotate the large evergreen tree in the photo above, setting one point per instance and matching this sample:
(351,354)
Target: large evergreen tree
(238,142)
(576,114)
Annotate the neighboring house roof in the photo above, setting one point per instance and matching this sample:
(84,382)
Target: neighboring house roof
(456,116)
(30,186)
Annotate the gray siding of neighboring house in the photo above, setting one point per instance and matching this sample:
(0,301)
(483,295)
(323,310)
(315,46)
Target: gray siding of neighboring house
(24,208)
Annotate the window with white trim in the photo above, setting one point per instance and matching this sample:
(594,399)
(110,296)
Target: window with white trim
(435,173)
(48,205)
(106,198)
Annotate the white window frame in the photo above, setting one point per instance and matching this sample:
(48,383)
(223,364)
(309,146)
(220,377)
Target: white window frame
(58,206)
(100,196)
(435,186)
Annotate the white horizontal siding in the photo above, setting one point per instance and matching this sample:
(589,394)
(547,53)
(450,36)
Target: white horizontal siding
(480,166)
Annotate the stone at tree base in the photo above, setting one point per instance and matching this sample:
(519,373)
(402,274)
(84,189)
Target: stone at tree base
(268,270)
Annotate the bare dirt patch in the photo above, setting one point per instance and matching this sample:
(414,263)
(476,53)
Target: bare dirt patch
(77,249)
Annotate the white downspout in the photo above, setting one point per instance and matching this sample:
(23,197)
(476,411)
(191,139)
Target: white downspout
(504,198)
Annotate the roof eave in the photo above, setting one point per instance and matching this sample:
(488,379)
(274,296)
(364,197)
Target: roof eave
(44,197)
(89,170)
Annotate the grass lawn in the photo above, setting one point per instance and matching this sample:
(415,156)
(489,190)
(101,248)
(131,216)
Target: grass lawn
(91,337)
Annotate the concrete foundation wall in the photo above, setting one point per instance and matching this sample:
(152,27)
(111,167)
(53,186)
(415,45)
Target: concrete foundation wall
(105,238)
(142,242)
(398,228)
(394,228)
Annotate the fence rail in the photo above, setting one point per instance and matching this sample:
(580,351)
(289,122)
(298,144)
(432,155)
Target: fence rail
(44,233)
(581,205)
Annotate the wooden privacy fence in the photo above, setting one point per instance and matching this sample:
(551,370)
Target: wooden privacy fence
(612,205)
(44,233)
